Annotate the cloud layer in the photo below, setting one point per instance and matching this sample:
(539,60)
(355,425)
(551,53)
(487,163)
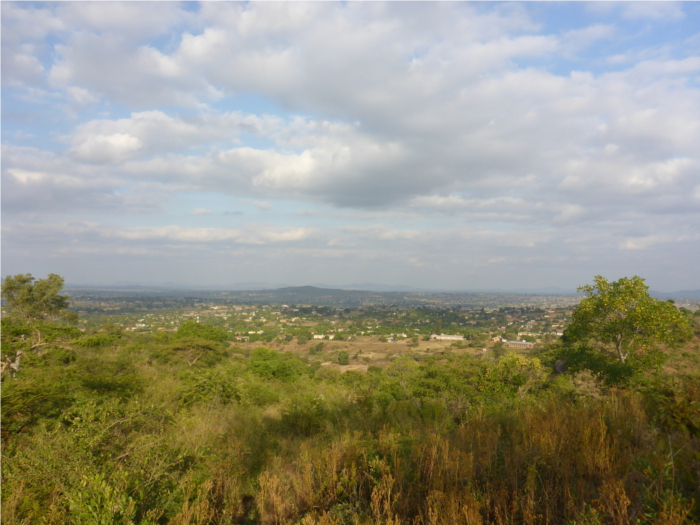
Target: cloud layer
(466,145)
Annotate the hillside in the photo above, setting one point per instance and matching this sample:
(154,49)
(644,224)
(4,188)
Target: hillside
(153,426)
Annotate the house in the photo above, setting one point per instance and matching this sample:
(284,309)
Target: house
(443,337)
(520,344)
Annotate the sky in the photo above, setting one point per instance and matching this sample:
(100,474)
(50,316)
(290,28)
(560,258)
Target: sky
(452,146)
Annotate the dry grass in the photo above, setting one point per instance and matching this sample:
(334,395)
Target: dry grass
(549,463)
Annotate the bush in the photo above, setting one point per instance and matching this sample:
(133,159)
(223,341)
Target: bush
(37,394)
(193,351)
(343,358)
(117,378)
(316,349)
(258,394)
(304,414)
(210,385)
(202,331)
(94,341)
(270,364)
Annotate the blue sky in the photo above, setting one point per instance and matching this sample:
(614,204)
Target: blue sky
(436,145)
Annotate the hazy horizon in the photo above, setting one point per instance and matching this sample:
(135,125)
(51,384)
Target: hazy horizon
(440,146)
(367,287)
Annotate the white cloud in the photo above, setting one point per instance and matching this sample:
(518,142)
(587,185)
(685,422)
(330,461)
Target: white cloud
(263,205)
(107,148)
(642,243)
(653,10)
(449,123)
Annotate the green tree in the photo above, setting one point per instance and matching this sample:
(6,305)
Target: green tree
(202,330)
(618,327)
(32,300)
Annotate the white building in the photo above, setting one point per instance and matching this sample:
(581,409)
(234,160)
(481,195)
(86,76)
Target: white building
(443,337)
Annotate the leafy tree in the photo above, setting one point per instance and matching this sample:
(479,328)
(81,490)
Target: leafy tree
(193,351)
(513,374)
(33,300)
(202,331)
(618,328)
(270,364)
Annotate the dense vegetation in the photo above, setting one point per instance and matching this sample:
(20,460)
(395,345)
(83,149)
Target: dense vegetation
(103,427)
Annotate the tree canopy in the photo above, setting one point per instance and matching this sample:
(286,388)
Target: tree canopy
(624,323)
(31,300)
(202,330)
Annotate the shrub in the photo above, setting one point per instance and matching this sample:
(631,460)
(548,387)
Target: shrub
(210,385)
(193,329)
(316,349)
(117,378)
(258,394)
(193,351)
(96,340)
(304,414)
(270,364)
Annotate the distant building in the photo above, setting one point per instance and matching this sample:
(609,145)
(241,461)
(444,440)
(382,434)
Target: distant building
(520,344)
(443,337)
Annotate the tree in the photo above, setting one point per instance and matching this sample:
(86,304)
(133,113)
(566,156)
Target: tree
(624,324)
(202,330)
(31,300)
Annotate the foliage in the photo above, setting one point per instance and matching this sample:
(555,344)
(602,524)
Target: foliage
(193,329)
(101,503)
(616,330)
(304,414)
(193,351)
(675,404)
(270,364)
(96,340)
(513,374)
(210,385)
(343,358)
(151,429)
(31,299)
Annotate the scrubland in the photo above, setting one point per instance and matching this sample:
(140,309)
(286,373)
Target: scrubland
(108,427)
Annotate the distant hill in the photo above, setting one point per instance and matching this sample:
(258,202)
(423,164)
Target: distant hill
(315,295)
(373,287)
(692,295)
(312,291)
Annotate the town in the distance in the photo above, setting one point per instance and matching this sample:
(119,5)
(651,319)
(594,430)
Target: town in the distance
(353,329)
